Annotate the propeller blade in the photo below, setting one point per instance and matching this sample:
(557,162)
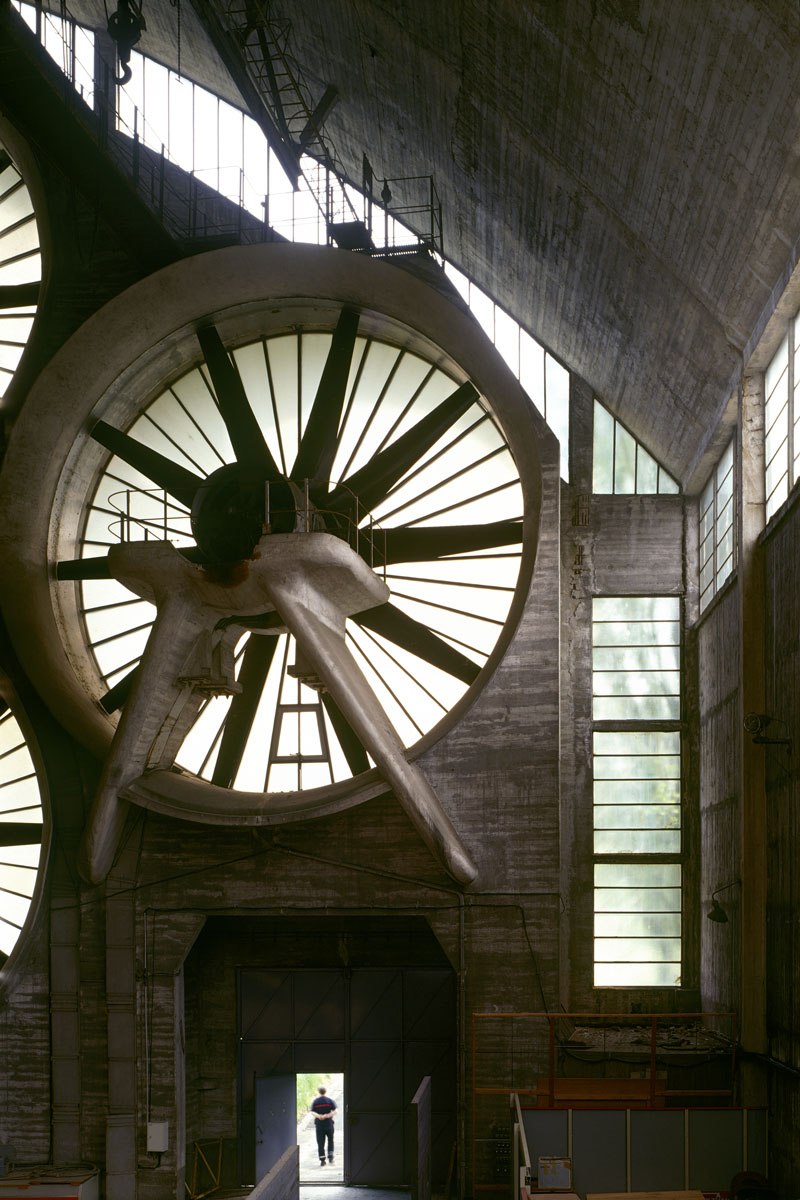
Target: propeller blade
(180,483)
(20,833)
(427,544)
(256,662)
(354,752)
(83,568)
(318,446)
(19,295)
(396,626)
(97,568)
(372,482)
(243,429)
(116,696)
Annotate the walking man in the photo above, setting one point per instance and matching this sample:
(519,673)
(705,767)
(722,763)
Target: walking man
(323,1108)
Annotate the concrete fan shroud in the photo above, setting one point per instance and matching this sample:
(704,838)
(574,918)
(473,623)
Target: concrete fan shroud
(117,363)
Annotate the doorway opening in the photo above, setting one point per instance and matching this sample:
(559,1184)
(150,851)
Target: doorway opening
(311,1170)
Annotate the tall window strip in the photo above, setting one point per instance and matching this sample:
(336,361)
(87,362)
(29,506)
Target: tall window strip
(69,45)
(223,147)
(636,744)
(621,465)
(541,375)
(779,425)
(716,528)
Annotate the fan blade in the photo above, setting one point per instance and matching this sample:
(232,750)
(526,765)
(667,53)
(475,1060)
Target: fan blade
(354,752)
(97,568)
(318,446)
(180,483)
(116,696)
(395,625)
(243,429)
(83,568)
(20,833)
(375,479)
(256,662)
(19,295)
(433,542)
(4,706)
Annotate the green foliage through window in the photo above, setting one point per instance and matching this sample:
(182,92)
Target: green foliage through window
(636,757)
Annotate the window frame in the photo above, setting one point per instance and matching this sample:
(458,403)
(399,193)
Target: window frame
(665,484)
(787,453)
(643,725)
(713,537)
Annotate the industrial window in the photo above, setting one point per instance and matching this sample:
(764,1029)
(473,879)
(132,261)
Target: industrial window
(20,267)
(543,378)
(69,45)
(20,830)
(781,420)
(620,464)
(636,744)
(716,533)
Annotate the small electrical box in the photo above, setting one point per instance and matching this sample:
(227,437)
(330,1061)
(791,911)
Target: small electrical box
(555,1174)
(157,1137)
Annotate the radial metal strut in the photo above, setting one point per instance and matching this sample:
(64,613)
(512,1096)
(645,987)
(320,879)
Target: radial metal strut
(312,581)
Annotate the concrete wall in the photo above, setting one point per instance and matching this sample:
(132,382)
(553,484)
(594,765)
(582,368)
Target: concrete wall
(781,549)
(717,650)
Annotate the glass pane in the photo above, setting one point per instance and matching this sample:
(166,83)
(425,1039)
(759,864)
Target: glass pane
(644,900)
(777,367)
(557,407)
(624,461)
(603,451)
(637,975)
(637,841)
(776,434)
(631,742)
(636,708)
(646,949)
(643,683)
(636,658)
(636,816)
(646,472)
(506,338)
(667,486)
(636,608)
(638,875)
(531,369)
(637,924)
(637,791)
(650,766)
(726,462)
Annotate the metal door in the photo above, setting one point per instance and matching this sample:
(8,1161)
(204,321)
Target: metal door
(402,1027)
(276,1119)
(385,1028)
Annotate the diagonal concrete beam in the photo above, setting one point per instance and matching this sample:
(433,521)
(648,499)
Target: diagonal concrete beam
(314,581)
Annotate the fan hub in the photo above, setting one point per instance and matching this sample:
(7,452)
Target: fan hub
(229,512)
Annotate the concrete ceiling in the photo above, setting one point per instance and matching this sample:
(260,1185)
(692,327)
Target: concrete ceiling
(620,174)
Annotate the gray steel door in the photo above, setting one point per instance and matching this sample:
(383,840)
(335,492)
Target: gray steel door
(276,1119)
(385,1028)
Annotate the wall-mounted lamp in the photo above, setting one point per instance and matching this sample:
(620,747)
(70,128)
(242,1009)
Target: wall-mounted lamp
(717,912)
(756,725)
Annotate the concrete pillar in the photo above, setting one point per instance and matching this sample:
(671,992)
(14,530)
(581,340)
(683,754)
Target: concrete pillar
(121,1021)
(753,867)
(65,1024)
(168,938)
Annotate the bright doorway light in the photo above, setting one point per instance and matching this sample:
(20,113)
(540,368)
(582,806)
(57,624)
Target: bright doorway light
(307,1090)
